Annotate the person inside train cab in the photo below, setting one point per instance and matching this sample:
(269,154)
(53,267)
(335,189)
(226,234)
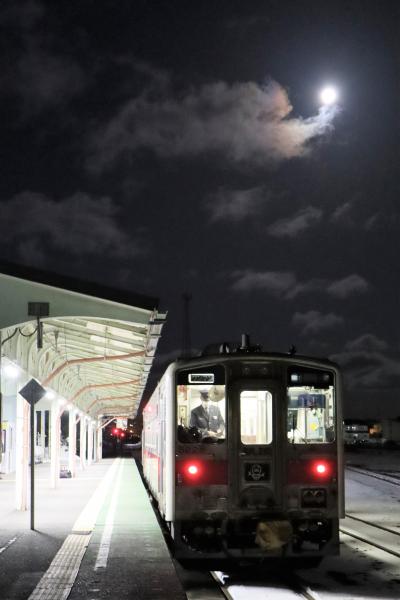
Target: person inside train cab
(207,417)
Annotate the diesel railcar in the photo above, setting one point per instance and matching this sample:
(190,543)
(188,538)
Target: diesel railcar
(243,453)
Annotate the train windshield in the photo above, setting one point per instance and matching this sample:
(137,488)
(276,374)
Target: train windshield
(311,408)
(201,413)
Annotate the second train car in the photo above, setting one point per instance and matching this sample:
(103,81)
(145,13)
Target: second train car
(243,453)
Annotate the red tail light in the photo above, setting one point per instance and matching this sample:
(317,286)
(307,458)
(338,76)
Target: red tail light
(197,472)
(321,469)
(193,470)
(311,471)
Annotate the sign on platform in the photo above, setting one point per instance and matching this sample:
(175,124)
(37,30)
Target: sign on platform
(32,391)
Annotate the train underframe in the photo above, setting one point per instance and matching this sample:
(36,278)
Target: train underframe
(255,537)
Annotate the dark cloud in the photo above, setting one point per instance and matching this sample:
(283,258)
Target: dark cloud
(236,205)
(244,122)
(286,285)
(314,321)
(244,23)
(40,75)
(368,365)
(23,15)
(296,224)
(368,342)
(342,212)
(44,80)
(78,225)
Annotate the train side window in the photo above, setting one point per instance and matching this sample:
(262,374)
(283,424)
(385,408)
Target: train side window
(255,417)
(311,415)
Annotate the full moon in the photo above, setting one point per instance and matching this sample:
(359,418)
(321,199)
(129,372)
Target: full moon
(328,95)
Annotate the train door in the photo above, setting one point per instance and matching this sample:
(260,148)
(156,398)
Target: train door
(255,440)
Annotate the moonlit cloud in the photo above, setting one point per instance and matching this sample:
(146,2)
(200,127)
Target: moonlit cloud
(286,285)
(314,321)
(341,213)
(236,205)
(274,282)
(296,224)
(78,225)
(243,123)
(367,342)
(347,286)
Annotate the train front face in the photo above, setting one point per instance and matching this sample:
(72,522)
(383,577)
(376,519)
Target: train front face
(258,459)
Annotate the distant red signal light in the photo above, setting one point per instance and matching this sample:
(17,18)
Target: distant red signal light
(122,434)
(192,470)
(115,431)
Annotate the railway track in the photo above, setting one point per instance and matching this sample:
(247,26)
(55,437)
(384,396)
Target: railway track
(389,477)
(243,585)
(291,586)
(378,536)
(285,586)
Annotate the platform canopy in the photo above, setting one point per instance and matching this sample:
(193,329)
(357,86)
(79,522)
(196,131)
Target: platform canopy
(98,342)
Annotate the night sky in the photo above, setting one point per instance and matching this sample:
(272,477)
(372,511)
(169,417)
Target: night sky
(177,146)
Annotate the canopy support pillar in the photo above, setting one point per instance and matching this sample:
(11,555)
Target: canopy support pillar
(99,441)
(72,442)
(55,431)
(90,444)
(22,454)
(82,445)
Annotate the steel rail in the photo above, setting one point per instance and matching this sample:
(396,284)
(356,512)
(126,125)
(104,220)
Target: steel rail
(297,585)
(375,545)
(374,474)
(348,516)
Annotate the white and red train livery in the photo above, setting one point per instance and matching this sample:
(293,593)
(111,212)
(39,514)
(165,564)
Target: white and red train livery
(243,453)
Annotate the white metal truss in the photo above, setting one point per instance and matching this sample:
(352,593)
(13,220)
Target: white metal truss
(97,353)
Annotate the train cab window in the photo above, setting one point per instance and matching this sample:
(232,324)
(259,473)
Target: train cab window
(201,413)
(256,417)
(311,417)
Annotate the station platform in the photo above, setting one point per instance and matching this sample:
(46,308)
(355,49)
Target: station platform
(96,536)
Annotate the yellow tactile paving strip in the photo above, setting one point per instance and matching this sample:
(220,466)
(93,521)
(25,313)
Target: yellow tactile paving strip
(59,578)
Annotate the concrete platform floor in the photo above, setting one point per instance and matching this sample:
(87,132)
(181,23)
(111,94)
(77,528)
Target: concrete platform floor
(96,536)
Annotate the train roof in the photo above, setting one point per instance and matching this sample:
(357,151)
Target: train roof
(257,354)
